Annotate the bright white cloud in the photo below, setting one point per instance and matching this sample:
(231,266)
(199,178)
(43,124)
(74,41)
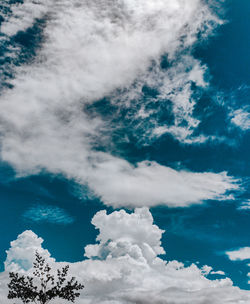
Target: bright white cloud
(124,267)
(219,272)
(22,251)
(122,233)
(93,49)
(239,254)
(149,184)
(46,213)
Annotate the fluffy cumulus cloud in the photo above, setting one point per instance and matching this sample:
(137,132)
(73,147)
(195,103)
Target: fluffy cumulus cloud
(124,266)
(21,253)
(114,49)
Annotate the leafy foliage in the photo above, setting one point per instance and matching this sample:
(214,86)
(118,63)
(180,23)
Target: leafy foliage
(44,286)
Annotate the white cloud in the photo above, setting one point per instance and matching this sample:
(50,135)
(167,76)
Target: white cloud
(245,205)
(123,267)
(92,49)
(239,254)
(241,118)
(22,251)
(23,15)
(219,272)
(149,184)
(46,213)
(122,233)
(174,86)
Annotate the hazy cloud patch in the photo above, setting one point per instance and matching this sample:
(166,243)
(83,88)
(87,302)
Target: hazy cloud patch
(241,118)
(46,213)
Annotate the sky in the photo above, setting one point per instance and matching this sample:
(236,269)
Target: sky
(124,146)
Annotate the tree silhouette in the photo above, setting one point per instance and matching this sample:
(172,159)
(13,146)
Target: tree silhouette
(44,286)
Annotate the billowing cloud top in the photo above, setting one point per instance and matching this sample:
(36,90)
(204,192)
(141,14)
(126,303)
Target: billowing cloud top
(124,266)
(136,235)
(21,254)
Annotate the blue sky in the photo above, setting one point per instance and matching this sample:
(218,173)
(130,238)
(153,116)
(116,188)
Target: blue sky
(150,119)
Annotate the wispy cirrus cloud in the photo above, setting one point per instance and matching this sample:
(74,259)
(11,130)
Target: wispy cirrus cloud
(18,16)
(46,213)
(97,49)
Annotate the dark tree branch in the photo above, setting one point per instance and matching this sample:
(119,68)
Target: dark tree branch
(49,286)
